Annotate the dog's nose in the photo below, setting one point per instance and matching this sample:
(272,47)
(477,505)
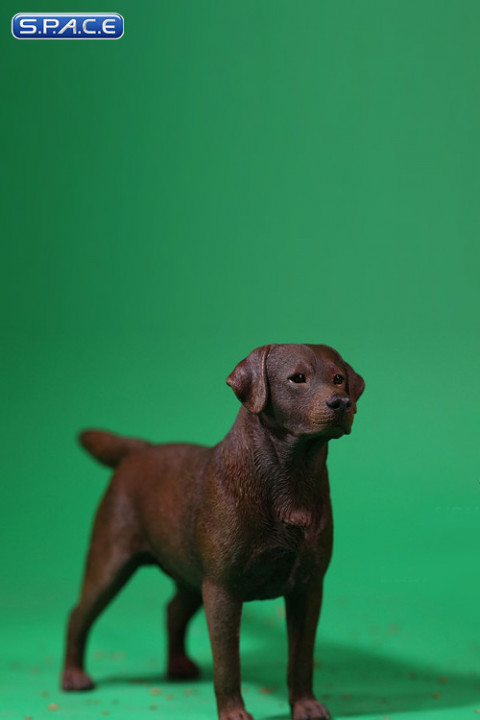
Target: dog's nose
(339,403)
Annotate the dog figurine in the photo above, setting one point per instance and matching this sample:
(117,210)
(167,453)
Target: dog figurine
(249,519)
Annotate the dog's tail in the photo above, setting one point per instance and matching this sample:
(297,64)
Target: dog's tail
(110,449)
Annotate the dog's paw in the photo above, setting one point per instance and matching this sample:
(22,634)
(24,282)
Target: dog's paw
(234,714)
(309,710)
(76,679)
(182,668)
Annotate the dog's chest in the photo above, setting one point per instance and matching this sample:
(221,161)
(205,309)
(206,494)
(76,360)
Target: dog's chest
(274,567)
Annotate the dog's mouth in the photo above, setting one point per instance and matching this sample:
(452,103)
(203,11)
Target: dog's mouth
(327,426)
(332,431)
(335,431)
(336,427)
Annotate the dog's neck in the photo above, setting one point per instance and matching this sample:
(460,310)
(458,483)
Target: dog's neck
(287,474)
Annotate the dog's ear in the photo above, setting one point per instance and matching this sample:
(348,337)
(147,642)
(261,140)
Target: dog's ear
(249,380)
(356,384)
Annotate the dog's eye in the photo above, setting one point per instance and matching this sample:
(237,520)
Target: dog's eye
(298,378)
(338,379)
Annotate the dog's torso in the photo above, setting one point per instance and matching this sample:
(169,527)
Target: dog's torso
(213,512)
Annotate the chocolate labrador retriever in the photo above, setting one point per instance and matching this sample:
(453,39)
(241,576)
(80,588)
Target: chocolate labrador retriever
(248,519)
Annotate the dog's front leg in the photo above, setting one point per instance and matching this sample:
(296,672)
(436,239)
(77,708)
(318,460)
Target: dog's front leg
(223,619)
(303,609)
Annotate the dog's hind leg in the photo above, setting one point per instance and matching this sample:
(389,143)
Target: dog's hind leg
(113,557)
(180,611)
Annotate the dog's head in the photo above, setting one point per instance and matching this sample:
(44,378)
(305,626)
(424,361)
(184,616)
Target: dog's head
(305,390)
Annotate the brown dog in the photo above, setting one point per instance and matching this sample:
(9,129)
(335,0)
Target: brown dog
(247,519)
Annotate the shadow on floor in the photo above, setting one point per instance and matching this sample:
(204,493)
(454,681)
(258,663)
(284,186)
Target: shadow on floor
(354,681)
(350,680)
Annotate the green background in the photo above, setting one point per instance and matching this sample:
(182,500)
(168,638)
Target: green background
(226,175)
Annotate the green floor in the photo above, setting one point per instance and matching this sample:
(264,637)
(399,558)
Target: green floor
(403,646)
